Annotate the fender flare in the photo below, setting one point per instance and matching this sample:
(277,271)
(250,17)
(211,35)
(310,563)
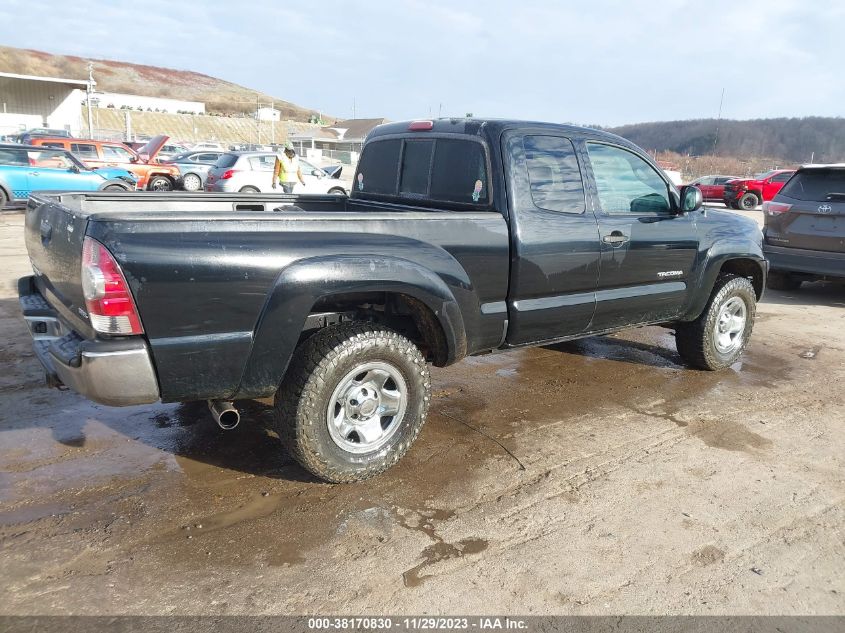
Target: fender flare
(300,285)
(114,181)
(720,252)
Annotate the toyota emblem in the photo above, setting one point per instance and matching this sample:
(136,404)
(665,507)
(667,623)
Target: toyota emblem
(825,208)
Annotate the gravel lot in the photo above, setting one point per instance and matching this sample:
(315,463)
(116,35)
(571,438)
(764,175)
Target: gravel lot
(594,477)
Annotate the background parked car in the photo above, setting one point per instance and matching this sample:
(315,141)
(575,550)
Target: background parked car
(804,232)
(170,150)
(253,172)
(193,168)
(713,187)
(26,137)
(152,175)
(747,193)
(208,145)
(28,168)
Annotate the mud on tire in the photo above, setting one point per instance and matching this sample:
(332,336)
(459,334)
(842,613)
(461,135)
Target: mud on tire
(697,341)
(319,367)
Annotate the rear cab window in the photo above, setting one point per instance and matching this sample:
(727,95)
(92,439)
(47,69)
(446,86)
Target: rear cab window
(435,169)
(817,185)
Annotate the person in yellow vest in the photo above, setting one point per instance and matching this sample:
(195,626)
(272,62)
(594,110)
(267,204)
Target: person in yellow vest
(286,170)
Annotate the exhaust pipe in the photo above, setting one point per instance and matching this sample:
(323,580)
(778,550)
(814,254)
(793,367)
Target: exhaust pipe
(225,414)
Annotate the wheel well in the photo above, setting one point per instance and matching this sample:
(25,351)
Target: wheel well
(7,193)
(407,315)
(745,268)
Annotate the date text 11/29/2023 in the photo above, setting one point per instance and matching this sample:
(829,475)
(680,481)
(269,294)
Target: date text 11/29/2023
(422,623)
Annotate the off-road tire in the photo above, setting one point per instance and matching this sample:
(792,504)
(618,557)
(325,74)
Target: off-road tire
(782,281)
(749,202)
(317,367)
(695,341)
(160,183)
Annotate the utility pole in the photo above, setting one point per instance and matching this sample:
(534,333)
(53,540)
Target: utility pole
(89,88)
(718,119)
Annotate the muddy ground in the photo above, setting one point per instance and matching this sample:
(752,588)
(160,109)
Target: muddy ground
(595,477)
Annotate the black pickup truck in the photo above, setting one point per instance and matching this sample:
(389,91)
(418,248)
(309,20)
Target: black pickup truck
(460,237)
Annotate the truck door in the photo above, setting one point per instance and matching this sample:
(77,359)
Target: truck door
(554,238)
(647,248)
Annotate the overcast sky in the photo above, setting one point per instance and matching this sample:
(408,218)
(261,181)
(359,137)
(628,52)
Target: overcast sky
(591,61)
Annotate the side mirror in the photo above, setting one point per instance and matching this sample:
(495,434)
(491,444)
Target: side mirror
(318,173)
(691,199)
(74,169)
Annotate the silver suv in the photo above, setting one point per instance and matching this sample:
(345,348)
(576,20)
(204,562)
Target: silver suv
(252,172)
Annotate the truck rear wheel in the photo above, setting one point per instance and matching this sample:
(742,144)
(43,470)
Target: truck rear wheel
(719,335)
(353,401)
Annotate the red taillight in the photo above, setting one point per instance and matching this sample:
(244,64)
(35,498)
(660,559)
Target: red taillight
(418,126)
(228,174)
(775,208)
(111,308)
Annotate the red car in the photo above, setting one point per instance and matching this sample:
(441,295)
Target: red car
(712,187)
(747,193)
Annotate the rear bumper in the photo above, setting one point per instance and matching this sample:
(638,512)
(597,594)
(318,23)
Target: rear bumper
(798,260)
(115,372)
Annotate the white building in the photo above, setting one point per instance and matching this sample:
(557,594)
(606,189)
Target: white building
(268,114)
(28,101)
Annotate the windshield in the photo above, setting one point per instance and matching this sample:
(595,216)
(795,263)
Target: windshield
(226,161)
(766,174)
(816,184)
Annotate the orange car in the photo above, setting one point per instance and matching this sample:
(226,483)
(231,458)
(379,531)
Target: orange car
(152,175)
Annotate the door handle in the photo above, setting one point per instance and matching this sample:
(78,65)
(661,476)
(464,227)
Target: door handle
(616,238)
(33,173)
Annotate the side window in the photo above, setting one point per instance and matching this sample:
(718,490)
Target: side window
(626,183)
(378,167)
(84,150)
(460,172)
(553,174)
(205,158)
(53,144)
(14,157)
(50,159)
(265,162)
(416,165)
(112,152)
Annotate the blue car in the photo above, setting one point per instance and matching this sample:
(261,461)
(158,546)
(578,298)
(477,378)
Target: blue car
(25,168)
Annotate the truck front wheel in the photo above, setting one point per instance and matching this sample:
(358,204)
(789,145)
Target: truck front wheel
(748,202)
(353,401)
(719,335)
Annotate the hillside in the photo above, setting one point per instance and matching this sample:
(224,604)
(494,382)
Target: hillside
(795,140)
(151,81)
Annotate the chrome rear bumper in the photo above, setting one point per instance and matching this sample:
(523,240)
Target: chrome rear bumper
(115,372)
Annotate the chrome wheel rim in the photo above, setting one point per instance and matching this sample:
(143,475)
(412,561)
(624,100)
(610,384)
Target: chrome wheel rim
(192,182)
(161,185)
(367,407)
(730,325)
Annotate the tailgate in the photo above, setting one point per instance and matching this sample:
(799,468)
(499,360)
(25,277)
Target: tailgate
(815,226)
(54,235)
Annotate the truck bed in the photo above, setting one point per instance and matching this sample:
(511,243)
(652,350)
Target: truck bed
(224,283)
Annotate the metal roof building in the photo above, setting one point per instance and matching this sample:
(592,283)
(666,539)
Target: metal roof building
(28,101)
